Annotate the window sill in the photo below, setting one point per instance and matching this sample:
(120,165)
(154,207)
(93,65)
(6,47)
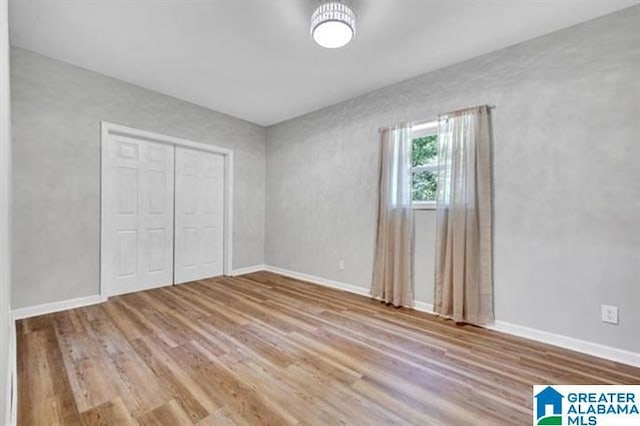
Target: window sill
(423,205)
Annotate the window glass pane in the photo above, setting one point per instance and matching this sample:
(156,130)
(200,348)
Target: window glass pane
(424,186)
(425,153)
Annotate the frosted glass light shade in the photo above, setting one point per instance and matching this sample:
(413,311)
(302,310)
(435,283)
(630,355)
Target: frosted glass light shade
(333,25)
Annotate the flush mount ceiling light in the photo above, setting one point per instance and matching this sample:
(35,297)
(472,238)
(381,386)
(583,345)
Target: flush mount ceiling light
(333,25)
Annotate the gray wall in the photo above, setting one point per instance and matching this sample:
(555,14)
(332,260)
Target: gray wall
(5,187)
(57,109)
(567,193)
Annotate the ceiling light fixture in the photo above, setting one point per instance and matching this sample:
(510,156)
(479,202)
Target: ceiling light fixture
(333,25)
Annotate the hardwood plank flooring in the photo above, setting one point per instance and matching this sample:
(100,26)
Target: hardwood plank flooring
(266,349)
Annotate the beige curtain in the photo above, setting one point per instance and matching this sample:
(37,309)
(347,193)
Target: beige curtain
(393,262)
(464,216)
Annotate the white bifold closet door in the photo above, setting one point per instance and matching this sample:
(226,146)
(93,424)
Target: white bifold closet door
(137,198)
(199,221)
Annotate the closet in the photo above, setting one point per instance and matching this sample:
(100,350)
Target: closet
(163,208)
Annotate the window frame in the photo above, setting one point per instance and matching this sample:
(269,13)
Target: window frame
(420,131)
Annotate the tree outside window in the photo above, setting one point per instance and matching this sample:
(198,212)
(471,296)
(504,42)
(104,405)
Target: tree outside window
(424,162)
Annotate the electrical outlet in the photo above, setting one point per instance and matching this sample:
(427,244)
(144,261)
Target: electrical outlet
(341,264)
(609,314)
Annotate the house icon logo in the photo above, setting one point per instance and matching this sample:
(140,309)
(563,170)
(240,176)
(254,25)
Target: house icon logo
(548,398)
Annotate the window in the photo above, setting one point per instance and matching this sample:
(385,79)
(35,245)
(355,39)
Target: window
(424,165)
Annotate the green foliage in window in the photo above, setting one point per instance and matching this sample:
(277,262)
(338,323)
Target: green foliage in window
(425,152)
(425,185)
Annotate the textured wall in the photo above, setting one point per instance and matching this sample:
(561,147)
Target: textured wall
(5,175)
(57,109)
(567,228)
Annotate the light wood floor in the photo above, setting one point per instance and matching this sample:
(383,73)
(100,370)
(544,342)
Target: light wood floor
(264,349)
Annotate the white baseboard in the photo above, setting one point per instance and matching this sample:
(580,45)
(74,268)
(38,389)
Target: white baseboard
(63,305)
(318,280)
(247,270)
(418,306)
(601,351)
(565,342)
(423,307)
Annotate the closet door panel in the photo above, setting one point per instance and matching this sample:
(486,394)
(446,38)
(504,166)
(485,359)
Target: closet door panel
(199,202)
(137,197)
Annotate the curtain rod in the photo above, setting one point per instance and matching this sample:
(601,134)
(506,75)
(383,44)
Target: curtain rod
(418,123)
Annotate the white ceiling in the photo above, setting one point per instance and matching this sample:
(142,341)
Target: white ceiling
(254,59)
